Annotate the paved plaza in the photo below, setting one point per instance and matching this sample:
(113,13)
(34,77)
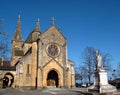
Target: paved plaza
(55,91)
(50,91)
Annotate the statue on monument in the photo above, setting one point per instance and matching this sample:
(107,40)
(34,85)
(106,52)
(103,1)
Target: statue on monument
(100,78)
(99,61)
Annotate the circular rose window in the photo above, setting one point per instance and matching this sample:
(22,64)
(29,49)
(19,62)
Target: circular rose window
(53,50)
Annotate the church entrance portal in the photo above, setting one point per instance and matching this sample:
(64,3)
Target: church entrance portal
(52,78)
(8,80)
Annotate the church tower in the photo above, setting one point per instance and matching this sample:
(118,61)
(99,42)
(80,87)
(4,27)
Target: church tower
(36,31)
(17,42)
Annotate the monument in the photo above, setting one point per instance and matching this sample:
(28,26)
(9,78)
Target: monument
(100,78)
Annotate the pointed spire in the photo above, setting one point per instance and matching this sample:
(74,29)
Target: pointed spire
(37,27)
(17,36)
(18,24)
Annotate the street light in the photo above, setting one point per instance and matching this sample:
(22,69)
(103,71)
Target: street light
(114,74)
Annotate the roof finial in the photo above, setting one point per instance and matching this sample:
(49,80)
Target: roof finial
(38,21)
(53,20)
(37,27)
(19,16)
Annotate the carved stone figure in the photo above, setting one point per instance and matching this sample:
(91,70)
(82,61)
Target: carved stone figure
(100,78)
(99,61)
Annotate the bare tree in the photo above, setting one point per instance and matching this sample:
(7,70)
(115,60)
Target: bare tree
(90,61)
(81,73)
(78,76)
(84,73)
(106,58)
(3,41)
(118,70)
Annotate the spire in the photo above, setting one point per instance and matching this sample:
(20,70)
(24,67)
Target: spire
(17,36)
(18,24)
(37,27)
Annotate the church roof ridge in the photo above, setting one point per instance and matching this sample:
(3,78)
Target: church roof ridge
(37,29)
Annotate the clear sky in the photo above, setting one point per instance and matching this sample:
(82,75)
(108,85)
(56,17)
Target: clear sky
(94,23)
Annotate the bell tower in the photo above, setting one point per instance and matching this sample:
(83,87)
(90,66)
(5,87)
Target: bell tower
(17,41)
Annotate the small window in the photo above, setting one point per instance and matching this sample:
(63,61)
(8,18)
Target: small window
(28,68)
(19,53)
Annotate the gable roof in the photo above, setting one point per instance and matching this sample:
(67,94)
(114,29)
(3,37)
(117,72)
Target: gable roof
(55,28)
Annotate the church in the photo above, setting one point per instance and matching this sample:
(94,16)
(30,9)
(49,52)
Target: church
(40,61)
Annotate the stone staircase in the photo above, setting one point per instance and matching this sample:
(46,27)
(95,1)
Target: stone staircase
(51,87)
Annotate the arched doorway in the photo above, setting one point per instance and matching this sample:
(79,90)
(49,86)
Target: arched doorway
(52,78)
(8,80)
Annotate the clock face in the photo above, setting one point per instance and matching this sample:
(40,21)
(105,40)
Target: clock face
(53,50)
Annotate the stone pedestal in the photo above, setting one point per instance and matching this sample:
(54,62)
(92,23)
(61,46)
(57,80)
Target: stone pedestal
(104,86)
(101,83)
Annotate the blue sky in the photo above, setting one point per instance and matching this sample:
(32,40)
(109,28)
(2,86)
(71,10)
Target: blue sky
(94,23)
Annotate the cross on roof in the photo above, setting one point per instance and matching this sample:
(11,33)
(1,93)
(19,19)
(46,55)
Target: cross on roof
(38,21)
(53,20)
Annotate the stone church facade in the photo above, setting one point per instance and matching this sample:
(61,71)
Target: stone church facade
(42,60)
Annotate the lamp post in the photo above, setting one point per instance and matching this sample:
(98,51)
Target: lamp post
(114,73)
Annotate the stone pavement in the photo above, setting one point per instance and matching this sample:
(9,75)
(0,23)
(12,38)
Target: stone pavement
(60,91)
(10,91)
(51,91)
(54,91)
(83,91)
